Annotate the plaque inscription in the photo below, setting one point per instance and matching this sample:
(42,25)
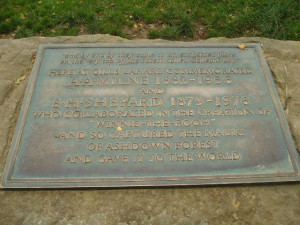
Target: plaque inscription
(98,115)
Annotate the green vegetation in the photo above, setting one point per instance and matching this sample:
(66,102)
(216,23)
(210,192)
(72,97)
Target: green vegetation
(167,19)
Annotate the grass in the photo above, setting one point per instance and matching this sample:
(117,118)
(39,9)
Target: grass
(167,19)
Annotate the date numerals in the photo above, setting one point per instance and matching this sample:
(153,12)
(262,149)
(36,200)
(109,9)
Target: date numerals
(215,101)
(183,80)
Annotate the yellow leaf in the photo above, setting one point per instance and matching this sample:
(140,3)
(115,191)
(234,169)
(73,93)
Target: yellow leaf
(22,78)
(237,205)
(22,16)
(242,46)
(17,82)
(135,25)
(119,128)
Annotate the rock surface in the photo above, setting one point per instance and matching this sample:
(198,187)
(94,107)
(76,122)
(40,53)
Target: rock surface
(240,204)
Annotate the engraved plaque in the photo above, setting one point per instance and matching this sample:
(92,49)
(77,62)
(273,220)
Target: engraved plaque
(112,115)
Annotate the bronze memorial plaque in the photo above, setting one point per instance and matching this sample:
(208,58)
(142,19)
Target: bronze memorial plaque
(113,115)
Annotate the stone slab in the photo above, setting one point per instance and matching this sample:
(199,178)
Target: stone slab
(228,204)
(150,115)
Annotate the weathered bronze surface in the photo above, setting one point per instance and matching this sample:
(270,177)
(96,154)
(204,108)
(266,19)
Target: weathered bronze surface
(98,115)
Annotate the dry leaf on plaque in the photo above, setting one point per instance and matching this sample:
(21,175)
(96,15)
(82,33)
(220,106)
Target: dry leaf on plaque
(242,46)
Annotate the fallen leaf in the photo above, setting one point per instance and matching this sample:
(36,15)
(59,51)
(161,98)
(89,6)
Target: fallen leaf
(17,82)
(266,56)
(119,128)
(98,13)
(188,11)
(159,5)
(22,16)
(112,5)
(242,46)
(22,78)
(201,31)
(237,205)
(33,58)
(135,26)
